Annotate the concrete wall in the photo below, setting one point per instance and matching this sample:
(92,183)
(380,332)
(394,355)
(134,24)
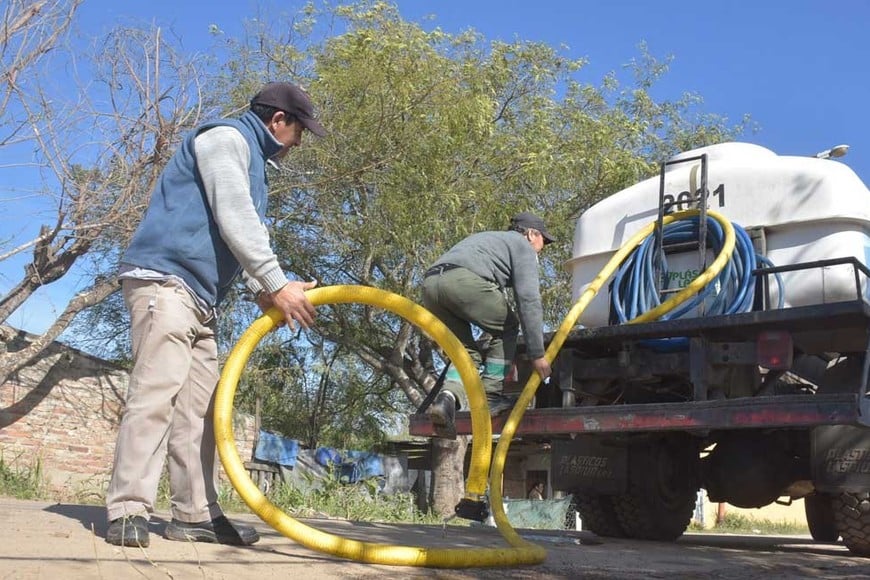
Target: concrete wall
(64,411)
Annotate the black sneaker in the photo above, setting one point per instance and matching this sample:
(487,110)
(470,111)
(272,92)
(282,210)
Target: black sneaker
(129,531)
(217,531)
(499,403)
(442,411)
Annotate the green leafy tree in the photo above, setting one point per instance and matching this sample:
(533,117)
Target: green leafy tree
(434,136)
(319,396)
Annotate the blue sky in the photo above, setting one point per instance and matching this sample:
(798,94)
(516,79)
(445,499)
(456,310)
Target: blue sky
(799,68)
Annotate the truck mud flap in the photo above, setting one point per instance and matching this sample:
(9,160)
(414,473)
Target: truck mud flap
(841,458)
(589,464)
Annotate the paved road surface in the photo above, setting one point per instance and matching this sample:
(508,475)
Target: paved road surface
(60,541)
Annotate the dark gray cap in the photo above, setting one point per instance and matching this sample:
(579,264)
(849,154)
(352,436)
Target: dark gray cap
(290,99)
(526,220)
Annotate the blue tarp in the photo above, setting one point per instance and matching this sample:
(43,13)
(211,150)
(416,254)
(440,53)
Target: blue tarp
(351,466)
(327,456)
(273,448)
(348,466)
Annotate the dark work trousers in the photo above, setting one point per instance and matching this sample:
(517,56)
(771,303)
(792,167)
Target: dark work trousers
(463,300)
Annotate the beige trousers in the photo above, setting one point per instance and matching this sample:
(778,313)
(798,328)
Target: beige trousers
(169,411)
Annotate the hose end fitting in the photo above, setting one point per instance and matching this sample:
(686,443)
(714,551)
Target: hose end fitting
(470,509)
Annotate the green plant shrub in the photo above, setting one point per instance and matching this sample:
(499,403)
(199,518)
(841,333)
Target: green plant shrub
(21,481)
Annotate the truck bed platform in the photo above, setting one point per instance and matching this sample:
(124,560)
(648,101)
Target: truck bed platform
(772,412)
(850,320)
(815,329)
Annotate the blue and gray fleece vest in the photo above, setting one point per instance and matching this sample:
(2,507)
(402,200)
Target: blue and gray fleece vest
(178,234)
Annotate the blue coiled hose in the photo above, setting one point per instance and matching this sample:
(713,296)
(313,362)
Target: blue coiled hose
(731,291)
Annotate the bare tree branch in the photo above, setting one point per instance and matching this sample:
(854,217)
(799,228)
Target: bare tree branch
(29,30)
(98,163)
(11,362)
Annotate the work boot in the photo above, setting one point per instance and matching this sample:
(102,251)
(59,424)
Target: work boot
(129,531)
(499,403)
(217,531)
(442,411)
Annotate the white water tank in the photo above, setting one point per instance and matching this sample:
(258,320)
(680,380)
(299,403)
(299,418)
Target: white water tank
(811,209)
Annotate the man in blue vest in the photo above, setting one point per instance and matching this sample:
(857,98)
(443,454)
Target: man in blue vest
(203,227)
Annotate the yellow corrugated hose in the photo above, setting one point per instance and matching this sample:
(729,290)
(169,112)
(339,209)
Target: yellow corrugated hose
(521,551)
(481,445)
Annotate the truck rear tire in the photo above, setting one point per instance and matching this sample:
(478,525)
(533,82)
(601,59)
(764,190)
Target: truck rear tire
(663,490)
(597,514)
(819,508)
(852,514)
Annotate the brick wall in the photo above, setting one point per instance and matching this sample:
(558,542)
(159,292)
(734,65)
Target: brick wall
(64,411)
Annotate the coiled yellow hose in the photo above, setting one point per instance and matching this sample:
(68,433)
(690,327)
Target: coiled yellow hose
(374,553)
(521,551)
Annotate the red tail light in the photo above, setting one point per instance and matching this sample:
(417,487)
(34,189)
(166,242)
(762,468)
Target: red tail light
(775,350)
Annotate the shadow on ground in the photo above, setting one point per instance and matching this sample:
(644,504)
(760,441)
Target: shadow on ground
(93,518)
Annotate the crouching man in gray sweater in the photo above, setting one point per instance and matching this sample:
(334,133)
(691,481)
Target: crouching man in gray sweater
(465,289)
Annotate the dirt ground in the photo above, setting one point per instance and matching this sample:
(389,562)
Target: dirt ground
(60,541)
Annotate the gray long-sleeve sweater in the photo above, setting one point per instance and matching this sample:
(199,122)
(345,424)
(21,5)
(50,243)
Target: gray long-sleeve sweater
(222,159)
(507,259)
